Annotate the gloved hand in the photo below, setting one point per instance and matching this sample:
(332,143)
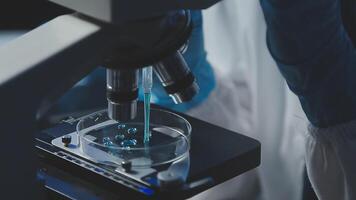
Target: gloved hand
(90,93)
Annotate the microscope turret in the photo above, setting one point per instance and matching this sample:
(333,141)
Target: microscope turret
(156,41)
(151,41)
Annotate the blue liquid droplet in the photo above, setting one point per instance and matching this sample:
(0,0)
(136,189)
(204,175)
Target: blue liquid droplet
(132,130)
(121,126)
(129,143)
(109,143)
(106,139)
(119,137)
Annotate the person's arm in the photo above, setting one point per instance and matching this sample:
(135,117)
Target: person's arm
(315,55)
(317,58)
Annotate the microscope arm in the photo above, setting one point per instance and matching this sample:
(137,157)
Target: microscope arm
(122,11)
(35,70)
(47,61)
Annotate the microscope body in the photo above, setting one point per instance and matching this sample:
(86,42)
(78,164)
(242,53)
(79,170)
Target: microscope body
(154,40)
(38,67)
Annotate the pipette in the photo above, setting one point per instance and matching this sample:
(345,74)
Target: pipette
(147,83)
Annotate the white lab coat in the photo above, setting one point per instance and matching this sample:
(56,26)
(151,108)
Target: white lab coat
(252,98)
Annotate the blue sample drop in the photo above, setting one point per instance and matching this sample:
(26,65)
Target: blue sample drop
(129,143)
(119,137)
(108,143)
(121,126)
(106,139)
(132,131)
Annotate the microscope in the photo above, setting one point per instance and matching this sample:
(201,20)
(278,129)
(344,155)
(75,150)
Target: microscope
(150,42)
(124,37)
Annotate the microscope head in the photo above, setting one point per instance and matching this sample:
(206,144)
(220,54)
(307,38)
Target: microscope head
(148,37)
(153,42)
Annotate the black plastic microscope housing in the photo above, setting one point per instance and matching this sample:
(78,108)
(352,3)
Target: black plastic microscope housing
(153,42)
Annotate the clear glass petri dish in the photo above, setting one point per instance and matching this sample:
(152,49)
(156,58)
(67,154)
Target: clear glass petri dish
(112,143)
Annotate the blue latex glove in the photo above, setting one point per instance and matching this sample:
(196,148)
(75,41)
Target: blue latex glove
(90,92)
(315,55)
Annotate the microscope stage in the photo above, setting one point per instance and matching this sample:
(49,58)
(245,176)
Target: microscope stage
(216,155)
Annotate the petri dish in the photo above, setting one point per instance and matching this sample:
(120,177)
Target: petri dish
(112,143)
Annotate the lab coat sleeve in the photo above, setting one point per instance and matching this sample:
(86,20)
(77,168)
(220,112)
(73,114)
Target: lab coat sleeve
(317,58)
(331,162)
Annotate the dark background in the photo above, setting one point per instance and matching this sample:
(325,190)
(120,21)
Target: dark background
(349,16)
